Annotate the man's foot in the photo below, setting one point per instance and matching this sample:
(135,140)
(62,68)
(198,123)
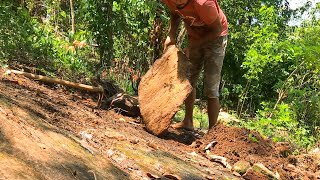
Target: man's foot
(183,125)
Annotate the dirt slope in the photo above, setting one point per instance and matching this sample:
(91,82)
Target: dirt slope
(50,133)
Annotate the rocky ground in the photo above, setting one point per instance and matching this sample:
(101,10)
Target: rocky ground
(48,132)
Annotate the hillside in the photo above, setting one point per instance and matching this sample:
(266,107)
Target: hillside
(47,132)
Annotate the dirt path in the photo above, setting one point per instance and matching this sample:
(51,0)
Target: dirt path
(50,133)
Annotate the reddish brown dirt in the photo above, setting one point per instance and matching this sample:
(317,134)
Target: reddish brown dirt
(75,112)
(242,144)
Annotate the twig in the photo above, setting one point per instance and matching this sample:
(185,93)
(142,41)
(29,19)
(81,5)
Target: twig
(69,171)
(94,174)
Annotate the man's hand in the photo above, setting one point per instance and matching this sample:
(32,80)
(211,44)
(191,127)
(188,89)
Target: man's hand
(169,41)
(174,24)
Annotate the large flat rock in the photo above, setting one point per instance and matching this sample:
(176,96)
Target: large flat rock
(163,90)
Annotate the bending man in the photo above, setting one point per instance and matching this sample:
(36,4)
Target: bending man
(207,29)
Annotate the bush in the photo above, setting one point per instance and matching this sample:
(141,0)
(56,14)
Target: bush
(25,40)
(281,124)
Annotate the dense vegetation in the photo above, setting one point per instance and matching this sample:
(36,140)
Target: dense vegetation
(271,75)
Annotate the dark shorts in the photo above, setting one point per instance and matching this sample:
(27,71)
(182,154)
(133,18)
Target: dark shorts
(208,56)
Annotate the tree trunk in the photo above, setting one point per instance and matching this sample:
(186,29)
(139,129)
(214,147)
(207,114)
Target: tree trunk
(72,17)
(106,33)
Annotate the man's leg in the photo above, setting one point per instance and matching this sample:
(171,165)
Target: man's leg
(213,111)
(187,122)
(214,56)
(195,57)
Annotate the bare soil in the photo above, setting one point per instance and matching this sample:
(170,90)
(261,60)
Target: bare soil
(38,121)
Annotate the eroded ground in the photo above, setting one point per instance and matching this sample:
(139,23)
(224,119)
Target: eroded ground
(50,133)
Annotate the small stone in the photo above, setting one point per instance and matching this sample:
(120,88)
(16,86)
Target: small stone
(221,160)
(251,174)
(152,145)
(134,141)
(8,72)
(309,175)
(120,138)
(110,153)
(258,167)
(315,151)
(284,149)
(236,174)
(289,167)
(209,177)
(193,154)
(85,135)
(241,167)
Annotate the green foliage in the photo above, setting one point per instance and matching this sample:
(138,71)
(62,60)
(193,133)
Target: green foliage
(284,72)
(122,31)
(13,30)
(281,125)
(135,22)
(252,138)
(99,17)
(34,43)
(244,18)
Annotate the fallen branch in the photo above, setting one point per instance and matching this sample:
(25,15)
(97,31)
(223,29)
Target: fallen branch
(58,81)
(128,105)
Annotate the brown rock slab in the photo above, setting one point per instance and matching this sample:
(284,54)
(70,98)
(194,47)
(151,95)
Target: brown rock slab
(163,90)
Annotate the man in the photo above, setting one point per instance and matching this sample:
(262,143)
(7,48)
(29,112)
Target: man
(207,30)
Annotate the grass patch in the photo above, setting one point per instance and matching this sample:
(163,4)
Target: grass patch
(200,117)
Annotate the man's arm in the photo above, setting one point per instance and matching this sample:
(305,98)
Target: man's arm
(173,28)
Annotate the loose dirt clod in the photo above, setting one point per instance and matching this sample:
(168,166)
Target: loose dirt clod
(163,89)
